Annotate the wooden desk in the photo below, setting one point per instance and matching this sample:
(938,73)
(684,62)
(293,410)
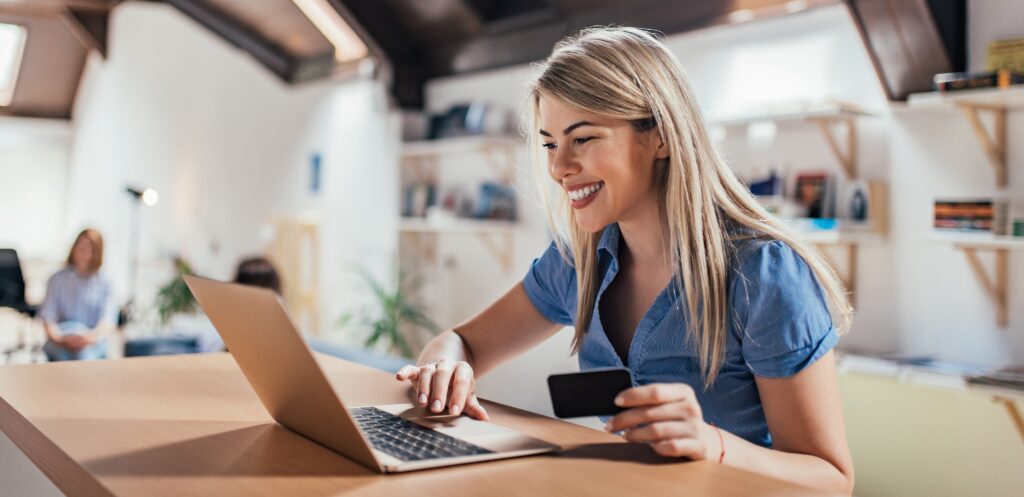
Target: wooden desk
(191,425)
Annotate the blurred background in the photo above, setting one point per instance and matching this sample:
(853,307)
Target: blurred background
(367,154)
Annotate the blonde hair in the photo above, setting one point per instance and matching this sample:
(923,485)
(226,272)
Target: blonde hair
(626,73)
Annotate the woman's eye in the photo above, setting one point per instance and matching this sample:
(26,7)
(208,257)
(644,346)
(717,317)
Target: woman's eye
(583,139)
(549,146)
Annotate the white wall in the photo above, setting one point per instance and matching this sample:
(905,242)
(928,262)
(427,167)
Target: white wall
(914,296)
(227,146)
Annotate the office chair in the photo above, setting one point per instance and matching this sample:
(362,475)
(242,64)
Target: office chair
(12,295)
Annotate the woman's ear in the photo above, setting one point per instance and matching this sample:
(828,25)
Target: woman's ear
(661,152)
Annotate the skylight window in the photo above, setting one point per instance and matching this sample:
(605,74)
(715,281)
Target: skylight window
(12,47)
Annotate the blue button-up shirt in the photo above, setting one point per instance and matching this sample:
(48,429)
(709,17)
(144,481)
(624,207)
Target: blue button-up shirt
(70,296)
(779,324)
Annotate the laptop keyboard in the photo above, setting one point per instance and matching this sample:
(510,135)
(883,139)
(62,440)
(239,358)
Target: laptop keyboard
(408,441)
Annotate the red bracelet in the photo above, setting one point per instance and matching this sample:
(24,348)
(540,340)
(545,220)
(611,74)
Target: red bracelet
(721,443)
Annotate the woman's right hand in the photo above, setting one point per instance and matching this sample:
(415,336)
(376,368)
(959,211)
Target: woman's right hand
(445,382)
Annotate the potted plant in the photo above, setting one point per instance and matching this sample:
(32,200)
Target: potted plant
(392,314)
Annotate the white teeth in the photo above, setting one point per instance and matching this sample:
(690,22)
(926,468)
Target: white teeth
(585,192)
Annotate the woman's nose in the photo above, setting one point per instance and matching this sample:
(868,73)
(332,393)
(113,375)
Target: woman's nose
(563,165)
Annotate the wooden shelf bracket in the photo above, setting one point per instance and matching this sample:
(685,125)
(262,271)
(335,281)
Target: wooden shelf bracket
(501,246)
(993,144)
(847,160)
(1014,411)
(995,285)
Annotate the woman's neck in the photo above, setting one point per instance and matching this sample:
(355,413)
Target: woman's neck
(645,238)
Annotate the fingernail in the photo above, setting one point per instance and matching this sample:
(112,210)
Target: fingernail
(608,426)
(618,400)
(436,406)
(423,399)
(455,410)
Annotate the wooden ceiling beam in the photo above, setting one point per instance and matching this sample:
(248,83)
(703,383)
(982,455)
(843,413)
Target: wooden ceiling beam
(275,58)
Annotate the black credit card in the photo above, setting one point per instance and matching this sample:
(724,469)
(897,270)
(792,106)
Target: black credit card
(588,393)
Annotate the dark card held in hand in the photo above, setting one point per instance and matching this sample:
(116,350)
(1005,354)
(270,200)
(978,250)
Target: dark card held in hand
(589,393)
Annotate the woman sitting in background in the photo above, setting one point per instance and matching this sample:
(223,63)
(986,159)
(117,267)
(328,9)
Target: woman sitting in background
(79,311)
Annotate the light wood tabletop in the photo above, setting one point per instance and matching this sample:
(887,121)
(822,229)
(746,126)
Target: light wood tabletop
(191,425)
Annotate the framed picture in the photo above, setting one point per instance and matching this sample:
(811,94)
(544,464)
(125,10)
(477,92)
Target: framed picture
(813,191)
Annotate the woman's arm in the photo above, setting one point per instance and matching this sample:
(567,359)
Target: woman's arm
(804,416)
(506,328)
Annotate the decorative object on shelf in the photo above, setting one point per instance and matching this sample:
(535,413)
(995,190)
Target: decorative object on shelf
(496,201)
(419,197)
(392,315)
(474,118)
(175,297)
(1005,54)
(866,203)
(814,191)
(1018,227)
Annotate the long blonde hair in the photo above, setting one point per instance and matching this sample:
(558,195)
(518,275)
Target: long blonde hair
(626,73)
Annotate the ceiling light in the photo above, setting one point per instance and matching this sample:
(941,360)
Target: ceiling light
(794,6)
(12,48)
(347,44)
(742,15)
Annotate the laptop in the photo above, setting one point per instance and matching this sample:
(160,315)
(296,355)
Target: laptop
(283,371)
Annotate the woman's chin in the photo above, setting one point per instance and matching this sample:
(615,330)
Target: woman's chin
(590,224)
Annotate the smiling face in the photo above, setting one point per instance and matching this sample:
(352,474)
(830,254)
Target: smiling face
(606,166)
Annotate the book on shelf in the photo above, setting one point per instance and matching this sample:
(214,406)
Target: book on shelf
(1012,377)
(954,81)
(971,215)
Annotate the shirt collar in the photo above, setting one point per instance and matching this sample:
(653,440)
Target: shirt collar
(610,240)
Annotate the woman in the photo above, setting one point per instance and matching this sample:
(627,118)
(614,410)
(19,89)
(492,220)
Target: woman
(664,263)
(79,311)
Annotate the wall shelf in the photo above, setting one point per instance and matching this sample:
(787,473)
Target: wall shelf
(498,237)
(995,284)
(496,151)
(996,102)
(826,117)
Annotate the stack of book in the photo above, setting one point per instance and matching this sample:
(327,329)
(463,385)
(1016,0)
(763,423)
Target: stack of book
(969,215)
(953,81)
(1012,377)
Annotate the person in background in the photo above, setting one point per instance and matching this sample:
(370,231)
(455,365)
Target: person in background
(254,271)
(258,271)
(79,312)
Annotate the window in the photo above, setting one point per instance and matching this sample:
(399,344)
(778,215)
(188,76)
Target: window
(12,47)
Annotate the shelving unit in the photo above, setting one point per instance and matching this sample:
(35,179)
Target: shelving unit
(496,151)
(826,118)
(973,103)
(423,159)
(996,283)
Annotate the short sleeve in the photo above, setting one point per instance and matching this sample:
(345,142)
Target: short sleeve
(781,316)
(48,309)
(547,285)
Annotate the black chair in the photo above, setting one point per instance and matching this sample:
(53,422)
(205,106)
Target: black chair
(12,295)
(12,284)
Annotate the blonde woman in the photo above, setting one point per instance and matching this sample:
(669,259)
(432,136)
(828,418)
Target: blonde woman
(665,264)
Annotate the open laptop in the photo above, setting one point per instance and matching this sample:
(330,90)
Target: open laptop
(283,371)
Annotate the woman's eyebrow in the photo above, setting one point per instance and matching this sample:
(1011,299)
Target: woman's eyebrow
(570,128)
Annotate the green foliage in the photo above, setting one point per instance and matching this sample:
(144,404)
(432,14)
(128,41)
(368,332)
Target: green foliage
(175,297)
(392,311)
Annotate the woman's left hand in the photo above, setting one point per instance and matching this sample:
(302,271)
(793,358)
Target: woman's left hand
(666,416)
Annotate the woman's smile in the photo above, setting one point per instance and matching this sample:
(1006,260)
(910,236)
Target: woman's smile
(582,195)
